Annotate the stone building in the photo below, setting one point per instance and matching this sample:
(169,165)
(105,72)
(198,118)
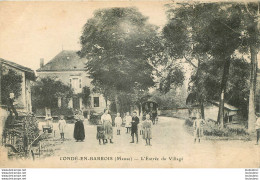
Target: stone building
(69,68)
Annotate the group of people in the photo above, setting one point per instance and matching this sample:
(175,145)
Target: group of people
(79,130)
(132,124)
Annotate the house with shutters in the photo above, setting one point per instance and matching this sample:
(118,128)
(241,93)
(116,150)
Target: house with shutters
(69,68)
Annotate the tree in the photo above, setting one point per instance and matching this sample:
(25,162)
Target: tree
(250,29)
(86,96)
(46,91)
(119,44)
(205,33)
(10,82)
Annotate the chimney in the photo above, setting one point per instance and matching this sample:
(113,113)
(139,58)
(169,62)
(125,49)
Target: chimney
(41,62)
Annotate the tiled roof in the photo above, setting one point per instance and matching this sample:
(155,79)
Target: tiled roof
(65,61)
(227,106)
(28,72)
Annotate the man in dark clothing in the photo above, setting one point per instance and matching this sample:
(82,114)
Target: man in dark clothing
(10,105)
(134,128)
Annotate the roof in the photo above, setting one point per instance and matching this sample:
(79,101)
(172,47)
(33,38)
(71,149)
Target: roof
(226,106)
(65,61)
(29,73)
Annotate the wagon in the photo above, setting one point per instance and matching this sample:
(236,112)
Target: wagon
(151,108)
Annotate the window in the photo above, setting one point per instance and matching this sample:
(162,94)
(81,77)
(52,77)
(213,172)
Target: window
(75,83)
(96,101)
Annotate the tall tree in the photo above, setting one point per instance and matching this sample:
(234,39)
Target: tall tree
(205,30)
(10,83)
(119,44)
(250,29)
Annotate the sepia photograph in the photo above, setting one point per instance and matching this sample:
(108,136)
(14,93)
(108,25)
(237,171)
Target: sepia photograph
(130,84)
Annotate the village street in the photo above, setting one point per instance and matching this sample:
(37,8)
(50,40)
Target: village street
(170,140)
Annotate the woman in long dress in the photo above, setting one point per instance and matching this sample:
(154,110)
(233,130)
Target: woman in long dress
(147,127)
(107,122)
(79,130)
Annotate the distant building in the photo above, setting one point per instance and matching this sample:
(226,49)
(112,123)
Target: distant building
(69,68)
(210,111)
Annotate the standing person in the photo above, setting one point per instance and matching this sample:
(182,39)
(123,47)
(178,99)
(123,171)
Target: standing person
(140,126)
(81,116)
(49,125)
(257,127)
(134,129)
(62,125)
(128,121)
(101,132)
(107,122)
(197,126)
(10,105)
(79,130)
(118,123)
(147,126)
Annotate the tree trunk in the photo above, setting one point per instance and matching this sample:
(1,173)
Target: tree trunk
(0,83)
(221,109)
(253,77)
(106,101)
(117,104)
(222,92)
(202,110)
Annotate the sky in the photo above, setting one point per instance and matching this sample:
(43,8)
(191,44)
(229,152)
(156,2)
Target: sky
(34,30)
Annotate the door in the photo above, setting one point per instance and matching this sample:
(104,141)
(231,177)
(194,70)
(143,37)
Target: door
(76,103)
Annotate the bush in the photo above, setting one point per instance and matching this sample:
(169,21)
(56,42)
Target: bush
(67,112)
(189,122)
(94,118)
(212,129)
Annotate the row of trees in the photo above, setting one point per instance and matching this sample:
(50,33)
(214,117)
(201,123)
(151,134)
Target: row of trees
(215,35)
(127,55)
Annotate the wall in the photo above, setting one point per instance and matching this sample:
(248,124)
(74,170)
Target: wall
(65,76)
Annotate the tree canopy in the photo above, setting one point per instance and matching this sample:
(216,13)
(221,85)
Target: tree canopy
(46,91)
(120,46)
(10,83)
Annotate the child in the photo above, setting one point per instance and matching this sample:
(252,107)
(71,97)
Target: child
(118,123)
(197,125)
(101,133)
(147,127)
(62,125)
(140,126)
(128,122)
(134,129)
